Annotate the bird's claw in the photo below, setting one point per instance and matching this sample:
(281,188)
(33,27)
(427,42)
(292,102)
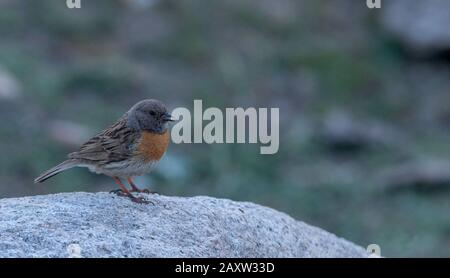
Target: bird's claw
(138,200)
(146,191)
(118,192)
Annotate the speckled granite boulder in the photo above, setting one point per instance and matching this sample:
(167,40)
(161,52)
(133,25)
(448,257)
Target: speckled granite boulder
(105,225)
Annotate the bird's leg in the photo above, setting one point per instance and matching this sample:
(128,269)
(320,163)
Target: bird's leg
(135,188)
(123,191)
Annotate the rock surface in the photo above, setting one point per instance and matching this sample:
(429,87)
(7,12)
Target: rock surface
(423,26)
(105,225)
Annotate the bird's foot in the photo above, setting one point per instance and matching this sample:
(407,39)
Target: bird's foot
(139,200)
(146,191)
(119,192)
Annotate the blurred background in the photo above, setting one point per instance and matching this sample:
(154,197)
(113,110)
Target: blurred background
(363,95)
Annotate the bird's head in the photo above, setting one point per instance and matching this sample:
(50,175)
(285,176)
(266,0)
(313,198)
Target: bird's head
(150,115)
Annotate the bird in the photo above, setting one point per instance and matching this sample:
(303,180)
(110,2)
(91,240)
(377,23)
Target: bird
(132,146)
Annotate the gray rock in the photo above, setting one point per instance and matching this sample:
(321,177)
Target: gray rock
(422,25)
(425,175)
(105,225)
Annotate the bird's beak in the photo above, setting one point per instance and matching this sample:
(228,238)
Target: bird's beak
(167,117)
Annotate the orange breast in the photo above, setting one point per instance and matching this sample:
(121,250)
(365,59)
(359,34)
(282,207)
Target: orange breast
(153,146)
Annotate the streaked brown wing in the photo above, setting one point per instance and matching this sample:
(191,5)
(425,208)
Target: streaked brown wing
(111,145)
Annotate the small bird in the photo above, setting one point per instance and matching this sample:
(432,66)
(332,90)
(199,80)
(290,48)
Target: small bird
(130,147)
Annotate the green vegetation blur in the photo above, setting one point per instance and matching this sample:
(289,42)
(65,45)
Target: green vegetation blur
(364,126)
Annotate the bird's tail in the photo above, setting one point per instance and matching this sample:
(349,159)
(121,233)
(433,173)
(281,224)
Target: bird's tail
(56,170)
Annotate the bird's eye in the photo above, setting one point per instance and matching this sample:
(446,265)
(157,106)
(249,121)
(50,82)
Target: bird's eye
(153,113)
